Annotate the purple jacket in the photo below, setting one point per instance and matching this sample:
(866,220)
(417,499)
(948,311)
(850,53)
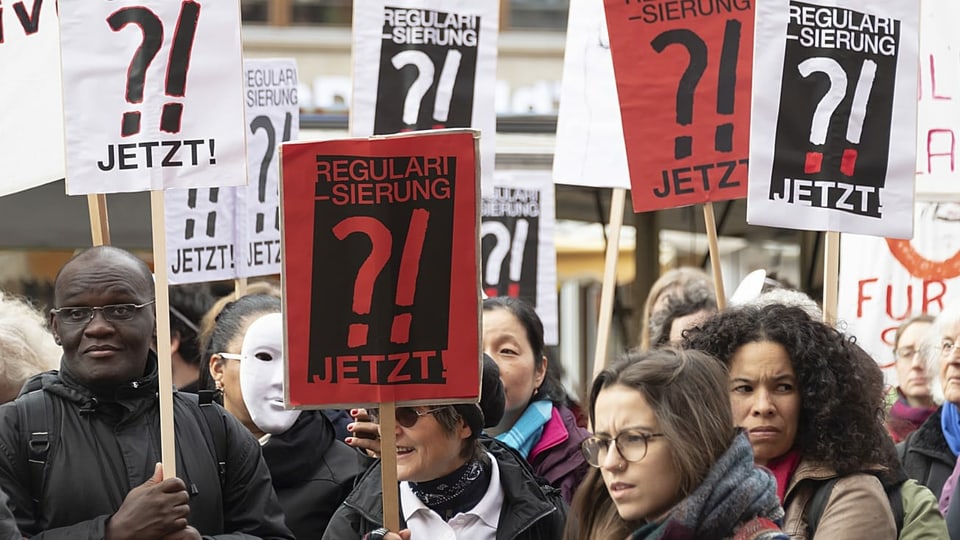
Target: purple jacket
(557,457)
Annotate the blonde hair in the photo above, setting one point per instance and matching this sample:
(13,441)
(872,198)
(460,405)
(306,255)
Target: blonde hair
(26,345)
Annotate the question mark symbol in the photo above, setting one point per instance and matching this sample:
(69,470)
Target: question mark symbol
(420,85)
(263,122)
(381,245)
(499,252)
(152,30)
(683,145)
(825,108)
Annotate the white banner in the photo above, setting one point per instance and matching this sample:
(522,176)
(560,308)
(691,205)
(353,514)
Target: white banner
(590,150)
(226,233)
(886,281)
(153,95)
(31,124)
(426,64)
(519,254)
(833,122)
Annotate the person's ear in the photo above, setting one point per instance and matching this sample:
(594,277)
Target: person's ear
(464,431)
(540,373)
(174,342)
(216,369)
(54,329)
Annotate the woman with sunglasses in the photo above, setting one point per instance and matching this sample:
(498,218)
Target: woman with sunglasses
(453,484)
(312,471)
(667,461)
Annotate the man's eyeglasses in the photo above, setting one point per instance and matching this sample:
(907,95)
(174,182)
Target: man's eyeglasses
(947,346)
(408,416)
(631,444)
(905,353)
(112,313)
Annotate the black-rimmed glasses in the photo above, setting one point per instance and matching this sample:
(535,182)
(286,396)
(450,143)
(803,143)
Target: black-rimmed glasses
(631,444)
(408,416)
(85,314)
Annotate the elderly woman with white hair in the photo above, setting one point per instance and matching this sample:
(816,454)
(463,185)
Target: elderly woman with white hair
(26,345)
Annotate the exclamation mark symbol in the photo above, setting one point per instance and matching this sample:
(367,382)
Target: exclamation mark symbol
(516,256)
(448,76)
(212,215)
(727,84)
(858,111)
(178,65)
(189,230)
(407,278)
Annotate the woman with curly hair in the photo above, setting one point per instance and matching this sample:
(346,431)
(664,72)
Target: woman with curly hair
(668,463)
(812,404)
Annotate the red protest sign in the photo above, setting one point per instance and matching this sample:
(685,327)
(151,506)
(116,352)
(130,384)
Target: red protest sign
(683,77)
(381,271)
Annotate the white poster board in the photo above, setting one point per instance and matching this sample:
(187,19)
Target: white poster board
(153,95)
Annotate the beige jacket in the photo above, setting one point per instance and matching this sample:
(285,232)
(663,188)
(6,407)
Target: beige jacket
(858,508)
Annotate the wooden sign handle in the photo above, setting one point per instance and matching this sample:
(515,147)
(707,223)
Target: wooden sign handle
(388,465)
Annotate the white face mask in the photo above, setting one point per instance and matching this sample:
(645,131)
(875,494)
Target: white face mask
(261,375)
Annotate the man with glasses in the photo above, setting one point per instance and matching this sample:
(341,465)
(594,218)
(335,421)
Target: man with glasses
(92,471)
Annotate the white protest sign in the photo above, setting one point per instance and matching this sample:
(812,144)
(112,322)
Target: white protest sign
(519,255)
(938,113)
(153,95)
(833,122)
(590,150)
(226,233)
(426,64)
(31,125)
(886,281)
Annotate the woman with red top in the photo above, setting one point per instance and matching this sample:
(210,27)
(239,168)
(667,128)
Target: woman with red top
(915,401)
(810,400)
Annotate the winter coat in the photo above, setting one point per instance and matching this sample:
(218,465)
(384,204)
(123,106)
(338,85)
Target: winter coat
(557,456)
(312,472)
(925,455)
(858,508)
(530,511)
(8,525)
(103,449)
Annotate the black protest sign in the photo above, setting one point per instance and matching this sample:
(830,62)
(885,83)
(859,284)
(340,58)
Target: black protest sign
(510,231)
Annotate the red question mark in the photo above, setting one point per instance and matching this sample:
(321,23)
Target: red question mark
(152,30)
(381,244)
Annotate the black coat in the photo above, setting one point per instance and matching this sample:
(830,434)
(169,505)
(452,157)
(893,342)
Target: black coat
(532,509)
(925,455)
(103,449)
(312,472)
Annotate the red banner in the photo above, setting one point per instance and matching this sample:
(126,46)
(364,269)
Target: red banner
(381,270)
(683,72)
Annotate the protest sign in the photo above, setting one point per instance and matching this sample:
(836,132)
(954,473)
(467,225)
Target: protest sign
(426,64)
(938,108)
(885,281)
(153,95)
(234,232)
(590,150)
(833,132)
(31,126)
(517,248)
(683,80)
(381,266)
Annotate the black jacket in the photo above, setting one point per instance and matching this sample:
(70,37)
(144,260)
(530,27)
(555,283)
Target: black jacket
(532,509)
(312,472)
(925,455)
(104,448)
(8,525)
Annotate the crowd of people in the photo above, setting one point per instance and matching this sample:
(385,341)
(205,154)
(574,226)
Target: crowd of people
(758,421)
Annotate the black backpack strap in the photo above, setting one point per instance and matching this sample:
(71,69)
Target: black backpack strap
(217,429)
(38,424)
(818,502)
(896,505)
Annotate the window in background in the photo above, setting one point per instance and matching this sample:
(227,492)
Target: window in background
(536,15)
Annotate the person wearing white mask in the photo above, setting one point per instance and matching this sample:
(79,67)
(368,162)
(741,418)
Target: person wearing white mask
(312,471)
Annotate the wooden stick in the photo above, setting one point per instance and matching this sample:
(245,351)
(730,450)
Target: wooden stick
(714,246)
(167,442)
(99,224)
(239,287)
(831,276)
(609,285)
(388,465)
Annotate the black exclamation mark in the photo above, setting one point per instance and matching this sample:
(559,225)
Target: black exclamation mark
(189,230)
(727,84)
(178,65)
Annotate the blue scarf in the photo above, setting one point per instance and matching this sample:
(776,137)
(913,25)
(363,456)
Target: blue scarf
(950,424)
(526,431)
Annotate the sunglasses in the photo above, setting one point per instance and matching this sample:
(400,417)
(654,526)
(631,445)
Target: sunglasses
(407,416)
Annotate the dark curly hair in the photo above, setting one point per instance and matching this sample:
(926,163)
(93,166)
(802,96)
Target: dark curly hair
(840,384)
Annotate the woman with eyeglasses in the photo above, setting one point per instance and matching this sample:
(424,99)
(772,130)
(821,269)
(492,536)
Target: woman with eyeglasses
(914,400)
(312,471)
(667,461)
(453,483)
(811,402)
